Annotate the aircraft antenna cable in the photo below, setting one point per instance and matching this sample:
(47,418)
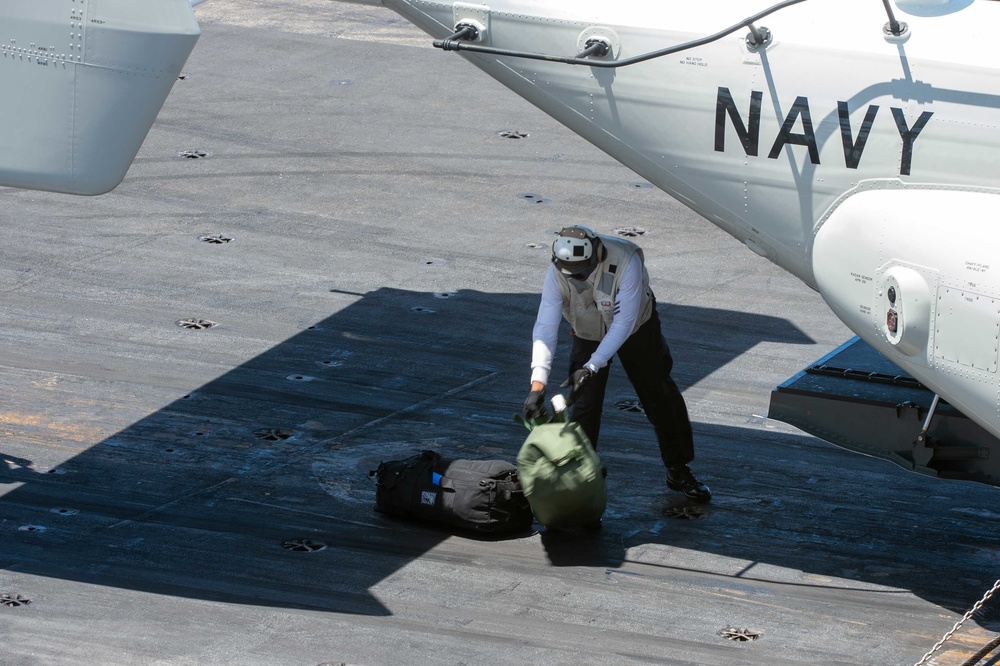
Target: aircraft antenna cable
(893,27)
(458,44)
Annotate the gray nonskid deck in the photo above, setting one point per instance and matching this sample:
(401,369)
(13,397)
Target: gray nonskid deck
(376,298)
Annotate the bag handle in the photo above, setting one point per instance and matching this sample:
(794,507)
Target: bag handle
(375,475)
(560,408)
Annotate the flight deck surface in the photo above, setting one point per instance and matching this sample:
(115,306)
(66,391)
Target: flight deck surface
(329,253)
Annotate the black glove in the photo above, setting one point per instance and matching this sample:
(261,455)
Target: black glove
(577,380)
(534,406)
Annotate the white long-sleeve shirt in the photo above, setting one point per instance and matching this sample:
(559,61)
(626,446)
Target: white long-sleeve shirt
(546,332)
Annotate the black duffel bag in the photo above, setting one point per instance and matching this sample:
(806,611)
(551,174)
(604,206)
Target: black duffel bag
(479,495)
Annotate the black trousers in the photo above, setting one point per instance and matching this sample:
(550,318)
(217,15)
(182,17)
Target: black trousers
(647,362)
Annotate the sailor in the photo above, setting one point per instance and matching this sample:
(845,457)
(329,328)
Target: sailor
(599,284)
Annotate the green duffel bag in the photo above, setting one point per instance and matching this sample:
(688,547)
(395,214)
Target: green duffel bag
(562,477)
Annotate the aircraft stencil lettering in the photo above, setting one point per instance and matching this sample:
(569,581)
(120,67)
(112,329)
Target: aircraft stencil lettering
(749,132)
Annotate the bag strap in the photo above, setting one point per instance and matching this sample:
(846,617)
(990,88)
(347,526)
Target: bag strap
(375,475)
(508,489)
(559,415)
(530,424)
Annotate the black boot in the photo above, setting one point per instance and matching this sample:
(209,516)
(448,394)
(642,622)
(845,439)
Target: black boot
(680,478)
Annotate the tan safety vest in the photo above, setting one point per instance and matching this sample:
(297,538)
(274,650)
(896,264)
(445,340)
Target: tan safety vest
(590,309)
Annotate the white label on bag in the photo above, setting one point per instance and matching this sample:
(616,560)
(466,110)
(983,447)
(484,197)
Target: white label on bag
(427,497)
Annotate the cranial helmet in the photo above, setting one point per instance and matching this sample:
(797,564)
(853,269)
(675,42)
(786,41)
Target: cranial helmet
(576,250)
